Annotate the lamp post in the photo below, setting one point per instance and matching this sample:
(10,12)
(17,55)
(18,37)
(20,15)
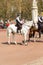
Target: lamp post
(34,12)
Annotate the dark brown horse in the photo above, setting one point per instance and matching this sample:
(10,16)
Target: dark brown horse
(33,29)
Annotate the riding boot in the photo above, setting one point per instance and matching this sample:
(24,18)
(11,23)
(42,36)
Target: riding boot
(17,30)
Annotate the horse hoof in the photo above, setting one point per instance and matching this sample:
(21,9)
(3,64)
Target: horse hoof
(26,44)
(34,40)
(8,43)
(15,43)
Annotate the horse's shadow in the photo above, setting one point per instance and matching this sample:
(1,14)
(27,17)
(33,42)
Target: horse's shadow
(5,43)
(11,43)
(36,41)
(39,41)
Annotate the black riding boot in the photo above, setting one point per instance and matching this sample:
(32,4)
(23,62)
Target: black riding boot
(17,30)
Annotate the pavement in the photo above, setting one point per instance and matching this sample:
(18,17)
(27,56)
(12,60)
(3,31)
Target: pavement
(12,54)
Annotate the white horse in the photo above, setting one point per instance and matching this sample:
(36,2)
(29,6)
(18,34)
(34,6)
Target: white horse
(25,30)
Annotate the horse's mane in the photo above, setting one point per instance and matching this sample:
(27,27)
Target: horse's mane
(28,23)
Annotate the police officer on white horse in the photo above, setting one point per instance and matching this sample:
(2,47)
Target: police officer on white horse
(19,22)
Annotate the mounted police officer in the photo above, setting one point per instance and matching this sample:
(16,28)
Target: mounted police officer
(18,23)
(40,22)
(40,19)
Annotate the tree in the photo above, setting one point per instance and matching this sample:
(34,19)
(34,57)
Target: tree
(26,9)
(10,8)
(40,5)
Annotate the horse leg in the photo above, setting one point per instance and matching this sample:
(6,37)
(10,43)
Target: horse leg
(39,33)
(8,35)
(33,33)
(13,39)
(9,38)
(25,39)
(29,35)
(35,36)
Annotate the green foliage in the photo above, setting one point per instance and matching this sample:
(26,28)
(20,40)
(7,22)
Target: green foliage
(26,9)
(10,8)
(40,6)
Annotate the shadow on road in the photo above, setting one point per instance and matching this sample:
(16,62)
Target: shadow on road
(12,43)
